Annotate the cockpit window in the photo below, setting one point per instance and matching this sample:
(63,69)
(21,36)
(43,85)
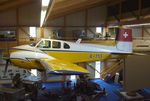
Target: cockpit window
(44,44)
(66,46)
(56,44)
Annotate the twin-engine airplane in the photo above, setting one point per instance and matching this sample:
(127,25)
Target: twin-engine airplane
(60,57)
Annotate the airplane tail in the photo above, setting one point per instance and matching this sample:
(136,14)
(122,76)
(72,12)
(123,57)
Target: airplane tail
(124,40)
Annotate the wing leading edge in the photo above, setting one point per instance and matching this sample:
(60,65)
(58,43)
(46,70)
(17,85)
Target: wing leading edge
(59,67)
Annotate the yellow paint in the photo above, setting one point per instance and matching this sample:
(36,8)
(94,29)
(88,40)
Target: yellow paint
(75,57)
(63,62)
(27,64)
(57,65)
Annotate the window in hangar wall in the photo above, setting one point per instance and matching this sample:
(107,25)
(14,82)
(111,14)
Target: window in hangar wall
(34,72)
(98,29)
(97,69)
(32,32)
(99,32)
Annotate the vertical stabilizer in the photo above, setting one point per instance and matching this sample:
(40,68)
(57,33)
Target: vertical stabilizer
(124,39)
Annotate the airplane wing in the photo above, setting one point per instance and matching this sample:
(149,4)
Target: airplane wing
(56,66)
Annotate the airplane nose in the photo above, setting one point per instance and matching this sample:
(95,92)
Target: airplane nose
(23,47)
(26,48)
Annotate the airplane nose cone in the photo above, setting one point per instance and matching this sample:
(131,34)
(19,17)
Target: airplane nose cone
(24,47)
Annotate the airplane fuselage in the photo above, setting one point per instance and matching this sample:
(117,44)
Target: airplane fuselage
(25,56)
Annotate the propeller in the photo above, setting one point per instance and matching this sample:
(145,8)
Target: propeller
(6,66)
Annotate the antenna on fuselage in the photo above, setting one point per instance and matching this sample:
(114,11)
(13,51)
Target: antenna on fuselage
(78,41)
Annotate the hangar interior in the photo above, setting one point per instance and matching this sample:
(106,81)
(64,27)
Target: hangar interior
(121,77)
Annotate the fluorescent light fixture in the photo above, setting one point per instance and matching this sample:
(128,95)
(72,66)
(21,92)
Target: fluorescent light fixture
(136,25)
(43,14)
(32,31)
(44,7)
(113,26)
(45,2)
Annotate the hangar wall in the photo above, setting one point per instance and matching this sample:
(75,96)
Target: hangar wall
(141,31)
(83,20)
(136,72)
(22,16)
(74,22)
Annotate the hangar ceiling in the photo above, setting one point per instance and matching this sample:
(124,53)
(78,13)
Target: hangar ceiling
(19,13)
(64,7)
(129,12)
(11,4)
(118,11)
(28,13)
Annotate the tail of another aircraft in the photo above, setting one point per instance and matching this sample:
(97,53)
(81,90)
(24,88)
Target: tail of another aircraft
(124,39)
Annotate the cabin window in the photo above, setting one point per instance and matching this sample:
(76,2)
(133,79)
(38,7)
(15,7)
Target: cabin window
(44,44)
(56,44)
(66,46)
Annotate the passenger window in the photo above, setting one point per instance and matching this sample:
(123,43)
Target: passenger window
(66,46)
(56,44)
(44,44)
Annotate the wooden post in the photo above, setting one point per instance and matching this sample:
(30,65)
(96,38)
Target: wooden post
(120,12)
(142,32)
(64,27)
(17,28)
(86,21)
(140,7)
(41,32)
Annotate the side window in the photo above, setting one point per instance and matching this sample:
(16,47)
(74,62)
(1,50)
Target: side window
(66,46)
(56,44)
(44,44)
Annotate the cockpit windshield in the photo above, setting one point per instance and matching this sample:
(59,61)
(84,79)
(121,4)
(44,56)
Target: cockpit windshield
(34,43)
(53,44)
(44,44)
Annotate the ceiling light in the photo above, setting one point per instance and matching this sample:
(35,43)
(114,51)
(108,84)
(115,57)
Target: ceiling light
(136,25)
(43,14)
(113,26)
(44,8)
(45,2)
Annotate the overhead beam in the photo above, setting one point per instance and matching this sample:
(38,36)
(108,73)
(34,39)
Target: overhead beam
(140,21)
(50,7)
(75,26)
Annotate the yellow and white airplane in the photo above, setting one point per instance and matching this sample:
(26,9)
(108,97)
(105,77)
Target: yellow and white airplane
(60,57)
